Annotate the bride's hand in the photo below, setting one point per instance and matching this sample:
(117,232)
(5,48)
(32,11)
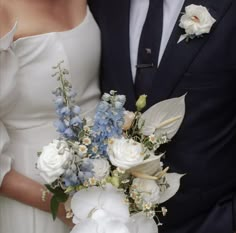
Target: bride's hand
(29,192)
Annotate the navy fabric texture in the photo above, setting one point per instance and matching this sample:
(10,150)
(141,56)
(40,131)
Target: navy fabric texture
(205,146)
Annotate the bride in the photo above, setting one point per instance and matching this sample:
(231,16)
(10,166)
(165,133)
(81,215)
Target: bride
(36,35)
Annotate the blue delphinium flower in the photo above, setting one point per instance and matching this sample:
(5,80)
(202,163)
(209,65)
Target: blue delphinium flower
(77,175)
(69,133)
(85,170)
(71,179)
(108,120)
(60,126)
(59,102)
(69,123)
(65,111)
(76,110)
(75,121)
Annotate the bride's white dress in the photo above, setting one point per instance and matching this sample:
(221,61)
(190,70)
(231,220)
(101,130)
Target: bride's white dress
(27,111)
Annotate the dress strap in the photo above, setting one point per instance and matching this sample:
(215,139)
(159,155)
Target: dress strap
(6,40)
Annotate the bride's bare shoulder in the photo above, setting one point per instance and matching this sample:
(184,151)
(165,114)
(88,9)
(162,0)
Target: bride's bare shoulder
(6,19)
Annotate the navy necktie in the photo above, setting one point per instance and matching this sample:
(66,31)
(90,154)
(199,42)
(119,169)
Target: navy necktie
(149,47)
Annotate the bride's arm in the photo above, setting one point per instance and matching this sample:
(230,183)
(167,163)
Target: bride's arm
(29,192)
(17,186)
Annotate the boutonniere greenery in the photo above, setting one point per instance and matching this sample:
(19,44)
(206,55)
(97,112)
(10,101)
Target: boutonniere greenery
(196,21)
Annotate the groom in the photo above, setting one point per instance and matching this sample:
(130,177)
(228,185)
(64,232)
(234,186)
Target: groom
(142,54)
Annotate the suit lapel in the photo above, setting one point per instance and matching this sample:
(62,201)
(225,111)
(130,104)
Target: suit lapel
(178,56)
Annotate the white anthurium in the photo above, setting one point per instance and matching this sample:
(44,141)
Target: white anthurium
(164,118)
(139,223)
(150,166)
(88,201)
(173,179)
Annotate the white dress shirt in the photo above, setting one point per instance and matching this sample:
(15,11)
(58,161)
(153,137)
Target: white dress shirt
(138,13)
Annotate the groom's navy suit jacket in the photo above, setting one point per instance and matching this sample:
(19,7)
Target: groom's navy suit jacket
(205,146)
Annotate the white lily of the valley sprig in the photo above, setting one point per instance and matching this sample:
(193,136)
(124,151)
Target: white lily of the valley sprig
(196,21)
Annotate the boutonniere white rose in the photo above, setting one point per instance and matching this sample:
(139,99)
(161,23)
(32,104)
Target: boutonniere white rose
(196,21)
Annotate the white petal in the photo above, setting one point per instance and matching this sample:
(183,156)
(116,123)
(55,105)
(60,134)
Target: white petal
(113,202)
(163,112)
(149,166)
(115,226)
(108,223)
(173,179)
(84,202)
(87,201)
(141,224)
(87,226)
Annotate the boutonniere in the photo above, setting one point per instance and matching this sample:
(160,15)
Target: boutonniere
(196,21)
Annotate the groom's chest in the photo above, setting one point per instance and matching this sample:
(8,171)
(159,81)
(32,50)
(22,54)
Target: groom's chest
(121,24)
(199,62)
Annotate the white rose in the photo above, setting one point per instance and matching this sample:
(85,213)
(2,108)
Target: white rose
(101,168)
(196,20)
(149,190)
(125,153)
(52,160)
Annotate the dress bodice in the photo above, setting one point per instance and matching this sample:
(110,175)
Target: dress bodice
(26,69)
(26,82)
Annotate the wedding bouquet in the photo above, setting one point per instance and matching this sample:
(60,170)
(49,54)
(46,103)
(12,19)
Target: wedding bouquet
(110,169)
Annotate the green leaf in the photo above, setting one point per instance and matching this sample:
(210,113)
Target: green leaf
(61,197)
(69,189)
(54,207)
(54,190)
(57,198)
(50,188)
